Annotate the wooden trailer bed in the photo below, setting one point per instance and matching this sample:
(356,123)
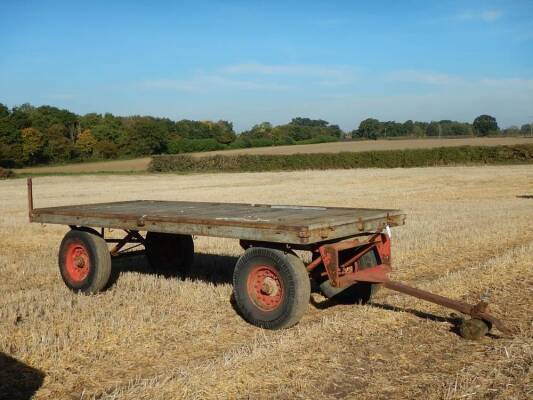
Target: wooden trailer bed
(256,222)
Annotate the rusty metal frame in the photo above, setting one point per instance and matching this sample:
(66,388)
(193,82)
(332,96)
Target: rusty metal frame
(475,311)
(329,257)
(338,274)
(131,237)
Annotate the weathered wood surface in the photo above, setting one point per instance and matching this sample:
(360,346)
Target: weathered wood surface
(261,222)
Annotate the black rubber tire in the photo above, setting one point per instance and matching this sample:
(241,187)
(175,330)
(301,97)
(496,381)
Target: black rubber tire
(296,284)
(169,254)
(358,293)
(99,257)
(86,229)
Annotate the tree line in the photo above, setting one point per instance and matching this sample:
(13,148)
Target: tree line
(483,125)
(39,135)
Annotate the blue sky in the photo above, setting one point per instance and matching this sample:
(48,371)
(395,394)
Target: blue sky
(253,61)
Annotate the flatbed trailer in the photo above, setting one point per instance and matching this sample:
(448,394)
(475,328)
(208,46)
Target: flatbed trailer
(350,252)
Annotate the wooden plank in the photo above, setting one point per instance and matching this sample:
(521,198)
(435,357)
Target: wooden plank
(228,212)
(229,231)
(342,220)
(179,219)
(277,223)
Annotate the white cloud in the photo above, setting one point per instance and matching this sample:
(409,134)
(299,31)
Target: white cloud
(486,16)
(447,80)
(205,83)
(326,75)
(290,69)
(508,83)
(253,76)
(429,78)
(491,15)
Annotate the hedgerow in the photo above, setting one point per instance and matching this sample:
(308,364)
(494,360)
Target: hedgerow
(463,155)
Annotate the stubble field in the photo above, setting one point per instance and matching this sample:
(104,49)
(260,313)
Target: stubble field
(468,235)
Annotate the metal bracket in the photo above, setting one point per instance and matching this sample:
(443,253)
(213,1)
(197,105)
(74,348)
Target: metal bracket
(329,256)
(140,220)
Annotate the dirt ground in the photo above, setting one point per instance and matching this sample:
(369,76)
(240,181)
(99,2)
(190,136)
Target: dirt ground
(468,235)
(371,145)
(141,164)
(134,165)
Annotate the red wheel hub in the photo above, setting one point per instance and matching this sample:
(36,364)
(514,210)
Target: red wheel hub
(265,287)
(77,262)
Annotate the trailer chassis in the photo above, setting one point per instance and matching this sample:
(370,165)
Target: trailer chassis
(339,263)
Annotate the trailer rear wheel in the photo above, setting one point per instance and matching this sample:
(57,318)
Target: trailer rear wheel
(169,254)
(271,288)
(358,293)
(84,261)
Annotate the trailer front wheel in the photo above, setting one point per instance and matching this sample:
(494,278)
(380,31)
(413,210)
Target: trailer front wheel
(357,293)
(84,261)
(271,288)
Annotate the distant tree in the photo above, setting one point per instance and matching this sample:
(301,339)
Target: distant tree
(190,129)
(409,127)
(484,125)
(513,130)
(33,145)
(109,128)
(259,131)
(19,117)
(433,129)
(144,136)
(45,116)
(105,149)
(297,131)
(392,128)
(418,131)
(264,126)
(421,125)
(86,143)
(369,128)
(223,132)
(280,135)
(10,140)
(4,111)
(59,146)
(90,120)
(7,128)
(527,129)
(309,122)
(11,155)
(333,130)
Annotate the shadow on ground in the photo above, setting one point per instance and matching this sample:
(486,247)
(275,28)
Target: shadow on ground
(453,320)
(18,381)
(216,269)
(210,268)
